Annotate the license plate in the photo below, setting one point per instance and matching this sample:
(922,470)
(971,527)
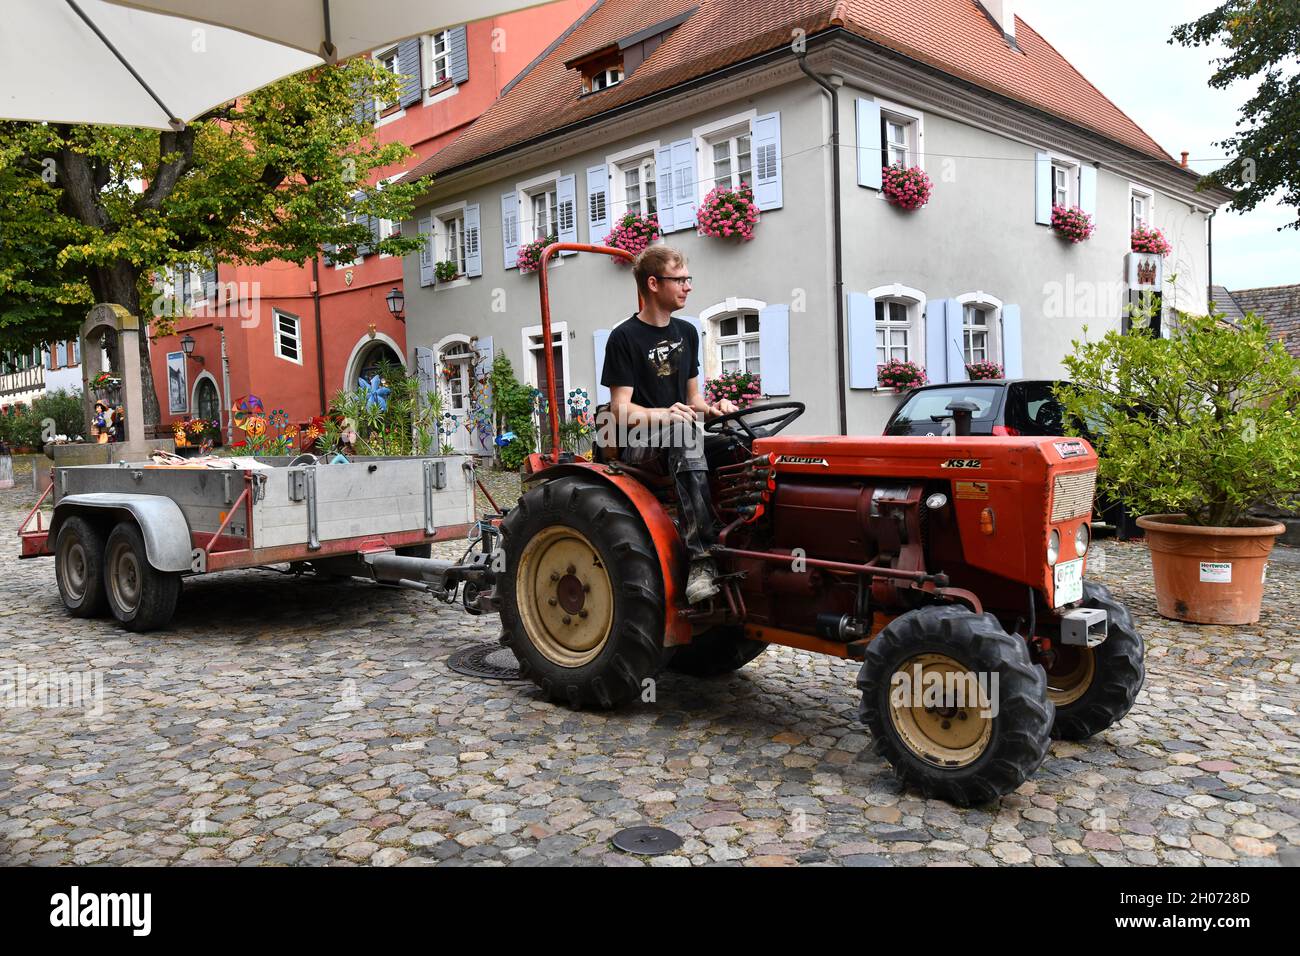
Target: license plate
(1069,582)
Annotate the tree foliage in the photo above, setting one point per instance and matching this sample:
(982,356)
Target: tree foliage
(1263,40)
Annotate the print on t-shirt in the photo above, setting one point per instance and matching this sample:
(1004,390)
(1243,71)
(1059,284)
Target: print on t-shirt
(663,357)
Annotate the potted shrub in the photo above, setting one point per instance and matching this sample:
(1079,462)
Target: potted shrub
(1150,240)
(1194,431)
(445,271)
(633,233)
(728,213)
(907,187)
(742,388)
(900,375)
(978,371)
(1072,223)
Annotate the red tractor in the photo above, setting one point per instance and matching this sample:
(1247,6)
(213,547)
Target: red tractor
(953,568)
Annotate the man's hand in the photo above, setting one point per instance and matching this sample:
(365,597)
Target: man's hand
(722,406)
(680,412)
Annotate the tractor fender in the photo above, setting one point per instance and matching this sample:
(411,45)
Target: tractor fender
(667,542)
(162,525)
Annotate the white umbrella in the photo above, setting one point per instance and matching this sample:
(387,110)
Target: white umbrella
(87,61)
(333,29)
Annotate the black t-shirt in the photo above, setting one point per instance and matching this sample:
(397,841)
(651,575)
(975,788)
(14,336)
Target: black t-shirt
(657,362)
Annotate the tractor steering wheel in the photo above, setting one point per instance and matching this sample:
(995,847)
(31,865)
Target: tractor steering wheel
(774,417)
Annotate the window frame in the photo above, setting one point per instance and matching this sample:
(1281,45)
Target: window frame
(616,192)
(914,301)
(442,216)
(276,316)
(741,338)
(1148,194)
(704,137)
(991,306)
(524,192)
(385,112)
(1070,167)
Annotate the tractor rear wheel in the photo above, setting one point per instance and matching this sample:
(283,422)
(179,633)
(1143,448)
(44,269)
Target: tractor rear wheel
(1093,687)
(955,704)
(718,651)
(582,596)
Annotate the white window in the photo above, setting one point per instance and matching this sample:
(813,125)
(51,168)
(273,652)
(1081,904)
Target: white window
(544,212)
(637,179)
(730,158)
(458,365)
(288,343)
(975,333)
(603,79)
(894,333)
(737,342)
(1065,183)
(388,60)
(450,239)
(897,135)
(439,58)
(1141,203)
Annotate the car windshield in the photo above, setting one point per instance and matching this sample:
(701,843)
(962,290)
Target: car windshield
(923,406)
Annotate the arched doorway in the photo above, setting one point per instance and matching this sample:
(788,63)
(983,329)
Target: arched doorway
(207,404)
(365,358)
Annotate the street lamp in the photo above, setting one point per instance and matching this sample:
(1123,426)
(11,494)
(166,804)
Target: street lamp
(187,346)
(396,304)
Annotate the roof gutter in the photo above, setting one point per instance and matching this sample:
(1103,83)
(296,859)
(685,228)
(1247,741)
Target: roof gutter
(838,242)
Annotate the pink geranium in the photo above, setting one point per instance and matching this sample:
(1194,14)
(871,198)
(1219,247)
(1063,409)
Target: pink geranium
(907,187)
(1072,223)
(633,233)
(1150,240)
(728,212)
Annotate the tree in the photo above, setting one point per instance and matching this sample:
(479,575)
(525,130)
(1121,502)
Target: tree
(95,213)
(1263,40)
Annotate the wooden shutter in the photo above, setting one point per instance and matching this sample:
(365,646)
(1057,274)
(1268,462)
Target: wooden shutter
(936,352)
(566,209)
(425,228)
(1088,190)
(954,340)
(408,64)
(870,159)
(664,188)
(598,219)
(599,339)
(473,250)
(1043,189)
(684,186)
(458,58)
(774,349)
(1012,345)
(767,164)
(863,369)
(510,229)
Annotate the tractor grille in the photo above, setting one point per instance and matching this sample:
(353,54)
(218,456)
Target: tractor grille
(1072,495)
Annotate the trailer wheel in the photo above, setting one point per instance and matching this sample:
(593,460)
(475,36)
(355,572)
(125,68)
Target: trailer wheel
(1093,687)
(718,651)
(140,596)
(78,567)
(965,742)
(582,597)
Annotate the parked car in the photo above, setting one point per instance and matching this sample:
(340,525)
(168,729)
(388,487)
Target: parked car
(1001,407)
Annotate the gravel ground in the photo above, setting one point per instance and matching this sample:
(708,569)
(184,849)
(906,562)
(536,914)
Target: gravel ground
(291,721)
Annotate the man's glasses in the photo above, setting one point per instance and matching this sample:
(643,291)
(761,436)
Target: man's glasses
(684,280)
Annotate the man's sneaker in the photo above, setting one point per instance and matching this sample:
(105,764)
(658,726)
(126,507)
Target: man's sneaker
(700,583)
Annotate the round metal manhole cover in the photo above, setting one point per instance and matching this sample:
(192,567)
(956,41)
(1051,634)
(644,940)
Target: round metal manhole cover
(487,661)
(647,841)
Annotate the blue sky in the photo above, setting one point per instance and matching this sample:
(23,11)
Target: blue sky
(1121,47)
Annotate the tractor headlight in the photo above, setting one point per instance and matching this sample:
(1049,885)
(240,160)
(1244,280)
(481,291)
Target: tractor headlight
(1082,538)
(1053,547)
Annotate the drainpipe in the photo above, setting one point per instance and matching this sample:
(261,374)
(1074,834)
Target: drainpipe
(225,387)
(320,346)
(1209,251)
(839,237)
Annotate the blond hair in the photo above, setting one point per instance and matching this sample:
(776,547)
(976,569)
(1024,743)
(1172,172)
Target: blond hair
(652,261)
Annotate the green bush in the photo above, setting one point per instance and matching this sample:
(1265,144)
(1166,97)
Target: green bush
(512,408)
(408,426)
(1205,423)
(66,410)
(20,427)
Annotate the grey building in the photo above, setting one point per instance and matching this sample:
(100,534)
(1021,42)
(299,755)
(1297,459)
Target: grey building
(645,107)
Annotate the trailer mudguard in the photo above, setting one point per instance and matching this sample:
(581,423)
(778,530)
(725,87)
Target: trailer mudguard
(165,531)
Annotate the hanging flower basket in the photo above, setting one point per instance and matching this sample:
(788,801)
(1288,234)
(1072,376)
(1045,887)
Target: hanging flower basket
(741,388)
(1150,240)
(900,375)
(907,187)
(633,233)
(1072,223)
(979,371)
(728,213)
(530,255)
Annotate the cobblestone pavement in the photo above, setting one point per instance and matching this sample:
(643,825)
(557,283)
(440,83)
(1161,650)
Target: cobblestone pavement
(290,721)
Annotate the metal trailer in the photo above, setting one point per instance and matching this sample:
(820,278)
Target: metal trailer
(123,536)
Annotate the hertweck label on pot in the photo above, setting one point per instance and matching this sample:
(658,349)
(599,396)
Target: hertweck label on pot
(1216,572)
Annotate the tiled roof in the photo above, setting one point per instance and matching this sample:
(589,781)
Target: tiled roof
(954,36)
(1279,306)
(1223,302)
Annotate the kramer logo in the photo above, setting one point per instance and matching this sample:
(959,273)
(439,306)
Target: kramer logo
(801,460)
(103,909)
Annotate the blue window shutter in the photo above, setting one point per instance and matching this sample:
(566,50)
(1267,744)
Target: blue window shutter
(767,163)
(49,357)
(699,352)
(683,196)
(424,370)
(598,223)
(1043,189)
(953,331)
(1012,347)
(424,226)
(478,442)
(61,355)
(870,162)
(76,351)
(1088,190)
(566,208)
(936,351)
(862,341)
(598,340)
(458,58)
(473,245)
(408,64)
(774,349)
(510,228)
(363,104)
(664,187)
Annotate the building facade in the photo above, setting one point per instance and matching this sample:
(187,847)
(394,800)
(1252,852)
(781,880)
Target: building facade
(647,107)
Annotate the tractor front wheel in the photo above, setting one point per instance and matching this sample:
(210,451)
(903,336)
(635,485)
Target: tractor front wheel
(582,596)
(955,704)
(1093,687)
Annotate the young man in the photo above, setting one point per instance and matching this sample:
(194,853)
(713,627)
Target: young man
(653,376)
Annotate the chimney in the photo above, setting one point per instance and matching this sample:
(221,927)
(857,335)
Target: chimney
(1184,160)
(1003,14)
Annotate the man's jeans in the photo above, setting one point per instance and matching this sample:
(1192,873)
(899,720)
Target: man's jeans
(681,448)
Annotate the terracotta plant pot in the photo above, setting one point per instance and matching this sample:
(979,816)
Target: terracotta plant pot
(1209,575)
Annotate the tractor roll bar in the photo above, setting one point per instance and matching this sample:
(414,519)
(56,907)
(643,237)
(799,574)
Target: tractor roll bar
(548,353)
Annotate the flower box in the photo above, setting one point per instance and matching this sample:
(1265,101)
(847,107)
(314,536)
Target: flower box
(633,233)
(1072,223)
(900,375)
(907,187)
(728,213)
(1149,240)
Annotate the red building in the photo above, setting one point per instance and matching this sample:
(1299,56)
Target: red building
(295,335)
